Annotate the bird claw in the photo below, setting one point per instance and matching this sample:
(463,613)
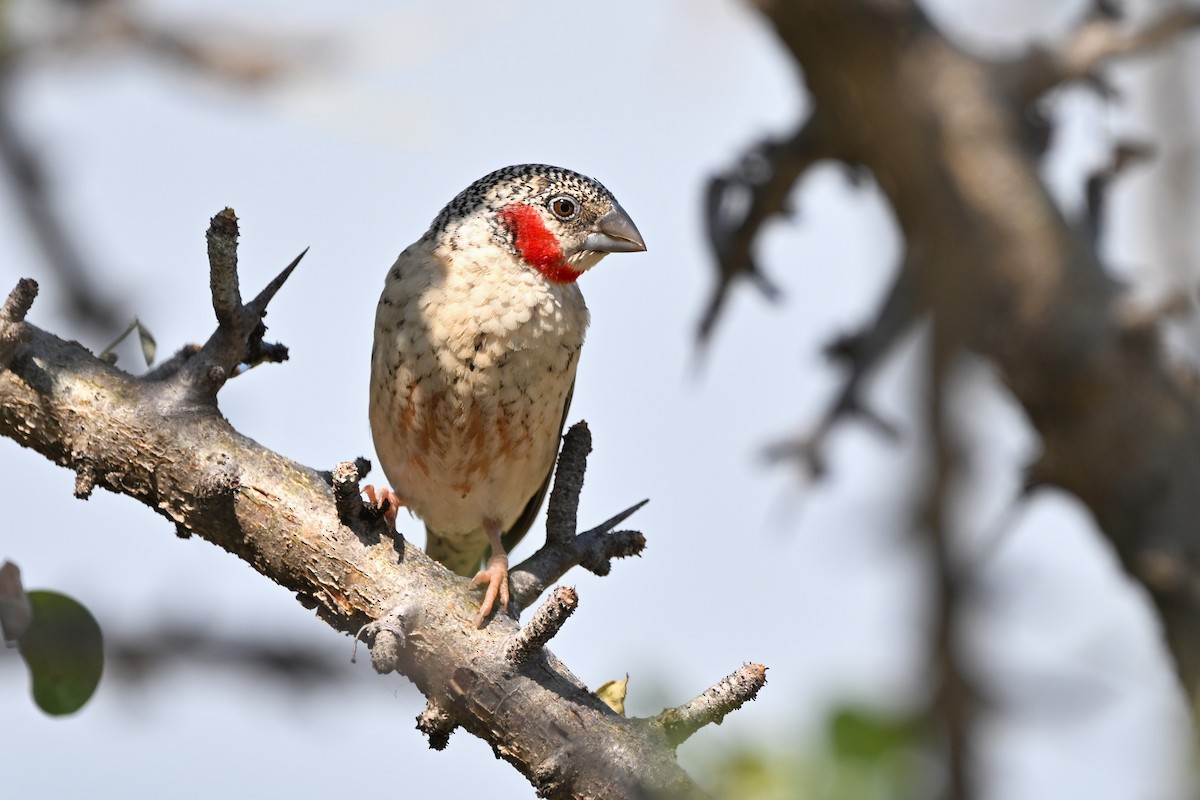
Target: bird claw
(385,501)
(495,575)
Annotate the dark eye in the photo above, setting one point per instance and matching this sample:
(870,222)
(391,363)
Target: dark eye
(564,207)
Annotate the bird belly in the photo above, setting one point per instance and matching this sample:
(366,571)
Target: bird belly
(472,439)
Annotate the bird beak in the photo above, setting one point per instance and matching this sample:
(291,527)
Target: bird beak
(614,233)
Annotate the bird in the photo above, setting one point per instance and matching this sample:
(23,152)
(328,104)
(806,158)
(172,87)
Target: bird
(477,339)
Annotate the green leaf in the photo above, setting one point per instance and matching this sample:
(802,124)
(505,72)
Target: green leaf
(870,735)
(64,651)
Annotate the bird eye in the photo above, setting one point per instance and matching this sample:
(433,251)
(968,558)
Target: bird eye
(564,207)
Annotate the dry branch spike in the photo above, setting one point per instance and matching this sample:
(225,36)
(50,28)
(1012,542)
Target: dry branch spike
(222,239)
(714,705)
(565,548)
(238,338)
(19,301)
(437,725)
(387,637)
(546,622)
(385,652)
(259,304)
(593,550)
(85,481)
(618,544)
(617,519)
(12,316)
(347,495)
(563,508)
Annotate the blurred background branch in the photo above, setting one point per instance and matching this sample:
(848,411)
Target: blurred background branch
(74,32)
(1000,272)
(294,667)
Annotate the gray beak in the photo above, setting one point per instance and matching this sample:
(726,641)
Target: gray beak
(614,233)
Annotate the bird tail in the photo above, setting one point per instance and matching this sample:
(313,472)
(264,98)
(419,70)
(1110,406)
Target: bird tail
(462,555)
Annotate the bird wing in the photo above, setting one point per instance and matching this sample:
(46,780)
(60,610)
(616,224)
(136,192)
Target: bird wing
(519,528)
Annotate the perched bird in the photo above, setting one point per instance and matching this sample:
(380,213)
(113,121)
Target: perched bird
(477,337)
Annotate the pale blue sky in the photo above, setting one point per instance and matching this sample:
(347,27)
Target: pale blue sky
(353,157)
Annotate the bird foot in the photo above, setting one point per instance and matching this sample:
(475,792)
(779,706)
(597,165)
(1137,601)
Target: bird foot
(385,501)
(495,575)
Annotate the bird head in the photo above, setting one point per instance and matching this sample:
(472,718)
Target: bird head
(557,221)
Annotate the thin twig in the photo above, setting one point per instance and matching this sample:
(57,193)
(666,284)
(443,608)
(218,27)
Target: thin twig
(862,354)
(563,508)
(546,622)
(739,202)
(347,495)
(238,338)
(714,705)
(222,239)
(12,317)
(594,550)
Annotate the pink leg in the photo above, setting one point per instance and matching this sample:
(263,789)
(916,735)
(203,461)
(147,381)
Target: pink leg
(385,499)
(495,575)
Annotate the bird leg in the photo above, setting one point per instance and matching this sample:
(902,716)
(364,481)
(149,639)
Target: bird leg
(495,575)
(386,501)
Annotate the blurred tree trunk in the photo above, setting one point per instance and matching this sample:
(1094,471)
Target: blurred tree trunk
(954,142)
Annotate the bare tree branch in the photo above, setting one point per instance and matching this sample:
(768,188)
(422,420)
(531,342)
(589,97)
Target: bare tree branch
(163,441)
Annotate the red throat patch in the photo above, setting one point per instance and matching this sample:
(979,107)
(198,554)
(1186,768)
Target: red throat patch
(536,244)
